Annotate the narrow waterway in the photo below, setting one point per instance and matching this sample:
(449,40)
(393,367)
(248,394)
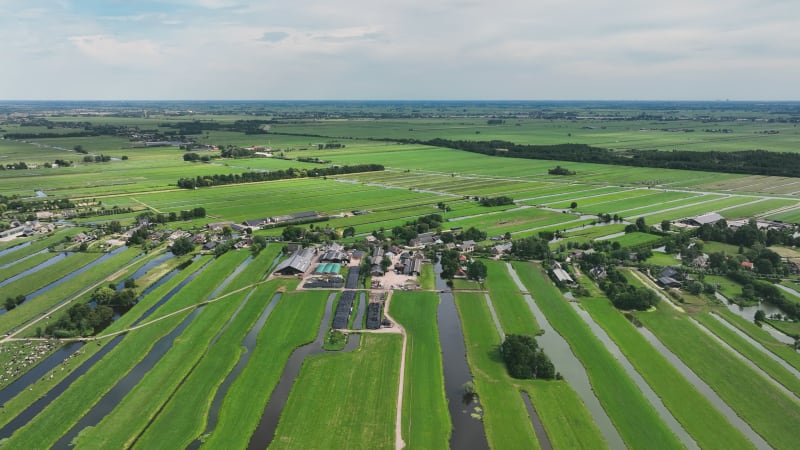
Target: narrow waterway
(665,415)
(265,431)
(115,395)
(43,265)
(468,432)
(145,268)
(17,261)
(53,360)
(570,367)
(745,360)
(538,426)
(749,312)
(249,343)
(758,345)
(705,390)
(75,273)
(38,371)
(15,248)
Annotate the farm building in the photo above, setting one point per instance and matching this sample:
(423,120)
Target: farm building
(328,269)
(344,308)
(297,263)
(374,316)
(499,249)
(467,246)
(294,216)
(335,256)
(710,218)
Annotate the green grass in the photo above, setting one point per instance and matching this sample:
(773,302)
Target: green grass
(27,285)
(87,390)
(698,416)
(634,417)
(294,322)
(784,351)
(505,418)
(565,418)
(426,421)
(35,306)
(767,364)
(770,412)
(331,393)
(512,311)
(427,278)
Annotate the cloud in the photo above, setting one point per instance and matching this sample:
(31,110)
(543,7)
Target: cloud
(109,50)
(274,36)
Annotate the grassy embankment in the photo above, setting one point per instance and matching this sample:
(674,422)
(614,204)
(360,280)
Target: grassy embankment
(167,400)
(346,409)
(294,322)
(426,420)
(45,429)
(755,355)
(506,421)
(770,412)
(634,417)
(35,306)
(695,413)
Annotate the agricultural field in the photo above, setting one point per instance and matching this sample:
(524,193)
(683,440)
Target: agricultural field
(212,349)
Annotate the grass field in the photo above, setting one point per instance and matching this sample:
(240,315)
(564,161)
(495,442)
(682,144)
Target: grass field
(697,415)
(426,421)
(294,322)
(505,419)
(512,311)
(361,413)
(630,412)
(771,414)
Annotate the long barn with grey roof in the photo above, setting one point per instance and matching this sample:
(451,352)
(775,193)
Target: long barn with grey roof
(296,264)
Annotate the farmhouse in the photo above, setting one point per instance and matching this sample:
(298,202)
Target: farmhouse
(467,246)
(297,263)
(500,249)
(562,276)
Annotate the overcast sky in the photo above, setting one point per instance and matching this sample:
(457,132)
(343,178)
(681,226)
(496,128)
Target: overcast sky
(400,49)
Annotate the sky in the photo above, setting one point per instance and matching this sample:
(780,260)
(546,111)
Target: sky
(400,49)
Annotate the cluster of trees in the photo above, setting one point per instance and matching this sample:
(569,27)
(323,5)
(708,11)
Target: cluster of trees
(756,162)
(410,230)
(311,234)
(330,146)
(72,134)
(81,320)
(558,170)
(232,151)
(194,157)
(312,159)
(252,177)
(161,218)
(532,247)
(746,235)
(122,299)
(525,360)
(13,302)
(623,295)
(496,201)
(96,158)
(182,246)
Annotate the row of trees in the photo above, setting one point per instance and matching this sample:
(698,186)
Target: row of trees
(252,177)
(496,201)
(756,162)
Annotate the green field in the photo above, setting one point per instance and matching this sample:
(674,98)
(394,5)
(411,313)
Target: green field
(630,412)
(426,421)
(361,413)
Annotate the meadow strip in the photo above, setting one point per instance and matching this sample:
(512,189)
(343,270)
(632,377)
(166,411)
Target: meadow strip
(48,426)
(755,355)
(505,418)
(698,416)
(360,411)
(631,413)
(294,322)
(770,412)
(426,420)
(514,314)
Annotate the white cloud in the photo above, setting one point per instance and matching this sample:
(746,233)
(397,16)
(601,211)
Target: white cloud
(109,50)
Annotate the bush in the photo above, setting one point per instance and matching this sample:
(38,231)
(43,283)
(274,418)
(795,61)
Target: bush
(524,359)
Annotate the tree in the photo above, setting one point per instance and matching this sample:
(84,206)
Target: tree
(640,225)
(10,303)
(385,263)
(573,205)
(114,226)
(476,270)
(103,296)
(292,233)
(665,225)
(695,287)
(349,232)
(760,316)
(182,246)
(130,283)
(524,359)
(227,231)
